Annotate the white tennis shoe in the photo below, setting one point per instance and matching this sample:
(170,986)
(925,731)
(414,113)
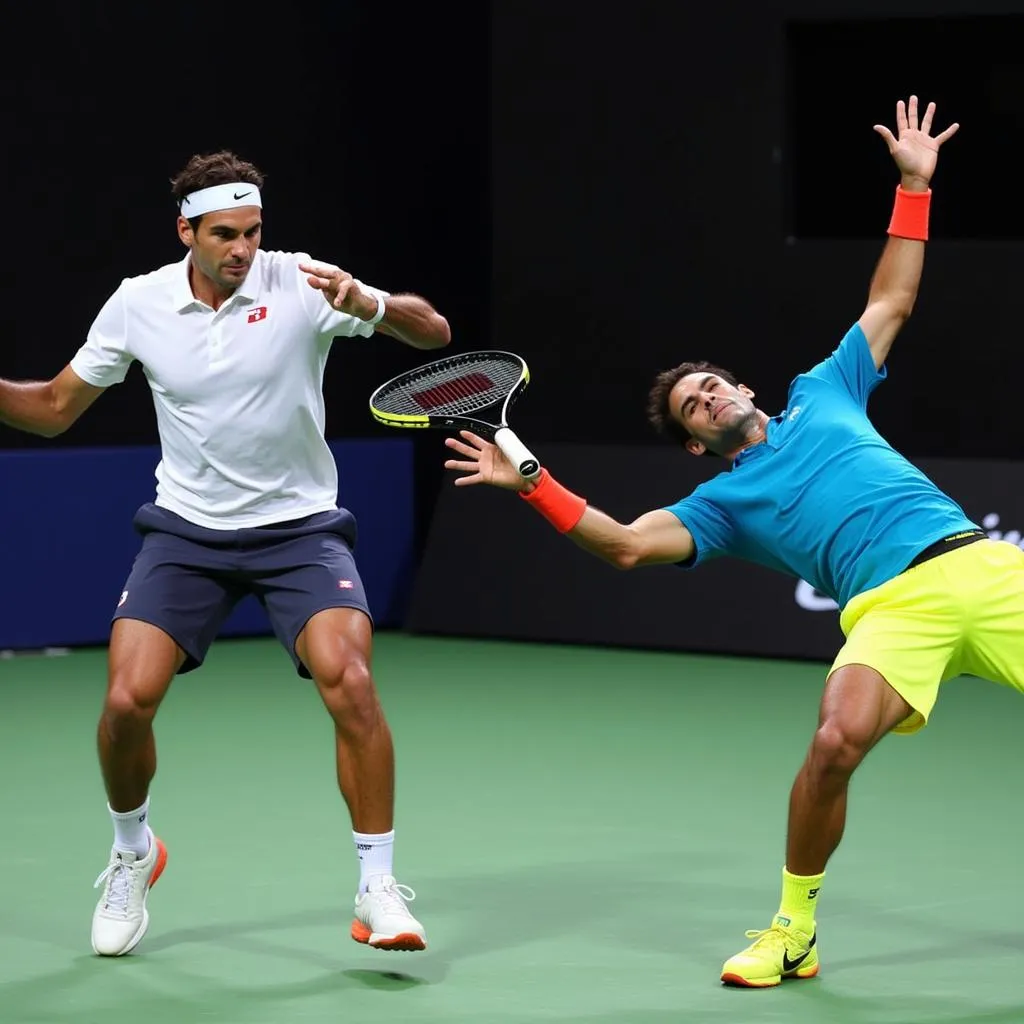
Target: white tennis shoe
(121,919)
(383,920)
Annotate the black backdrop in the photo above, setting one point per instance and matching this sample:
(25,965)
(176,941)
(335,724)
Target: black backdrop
(370,121)
(702,181)
(606,195)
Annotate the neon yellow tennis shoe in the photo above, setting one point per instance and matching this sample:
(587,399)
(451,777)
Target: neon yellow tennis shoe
(777,952)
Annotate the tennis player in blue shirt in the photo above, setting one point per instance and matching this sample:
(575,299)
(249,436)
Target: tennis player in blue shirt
(817,493)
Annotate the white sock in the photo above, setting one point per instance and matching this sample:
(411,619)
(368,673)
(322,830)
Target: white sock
(375,855)
(131,829)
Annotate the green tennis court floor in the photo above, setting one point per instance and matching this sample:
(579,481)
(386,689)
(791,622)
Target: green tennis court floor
(589,833)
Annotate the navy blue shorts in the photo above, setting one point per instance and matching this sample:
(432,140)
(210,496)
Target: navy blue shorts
(186,579)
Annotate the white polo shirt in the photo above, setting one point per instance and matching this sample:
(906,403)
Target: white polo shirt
(238,392)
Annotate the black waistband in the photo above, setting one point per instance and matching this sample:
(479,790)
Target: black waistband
(950,543)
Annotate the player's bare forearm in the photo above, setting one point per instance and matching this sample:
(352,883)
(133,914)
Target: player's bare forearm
(30,406)
(601,535)
(415,322)
(893,292)
(656,538)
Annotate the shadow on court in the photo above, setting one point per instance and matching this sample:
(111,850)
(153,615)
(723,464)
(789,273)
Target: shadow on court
(916,1008)
(193,997)
(383,979)
(477,915)
(785,1003)
(965,944)
(174,977)
(471,917)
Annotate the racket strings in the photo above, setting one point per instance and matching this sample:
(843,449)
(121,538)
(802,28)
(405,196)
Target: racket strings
(456,390)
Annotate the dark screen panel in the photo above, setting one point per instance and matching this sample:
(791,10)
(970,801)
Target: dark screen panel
(844,76)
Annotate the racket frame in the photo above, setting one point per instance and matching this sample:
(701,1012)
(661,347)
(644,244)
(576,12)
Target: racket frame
(501,434)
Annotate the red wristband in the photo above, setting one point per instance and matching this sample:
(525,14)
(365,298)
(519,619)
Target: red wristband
(910,214)
(558,505)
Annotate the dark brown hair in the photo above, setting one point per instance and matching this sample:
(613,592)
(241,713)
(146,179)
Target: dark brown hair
(658,413)
(205,170)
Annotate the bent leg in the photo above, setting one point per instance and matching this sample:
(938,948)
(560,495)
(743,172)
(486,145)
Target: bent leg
(175,600)
(173,603)
(336,647)
(901,643)
(142,662)
(313,594)
(858,708)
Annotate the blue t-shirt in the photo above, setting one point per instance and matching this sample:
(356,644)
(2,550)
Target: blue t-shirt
(824,498)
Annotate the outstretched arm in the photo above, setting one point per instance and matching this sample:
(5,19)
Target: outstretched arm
(657,537)
(897,276)
(46,408)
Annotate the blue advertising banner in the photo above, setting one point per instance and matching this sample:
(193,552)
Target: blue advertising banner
(67,543)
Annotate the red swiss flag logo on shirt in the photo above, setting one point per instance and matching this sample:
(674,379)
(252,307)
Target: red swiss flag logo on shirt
(257,314)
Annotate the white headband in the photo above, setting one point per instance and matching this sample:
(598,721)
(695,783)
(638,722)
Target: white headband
(220,197)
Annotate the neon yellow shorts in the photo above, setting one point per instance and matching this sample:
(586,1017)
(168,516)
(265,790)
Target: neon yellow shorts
(961,613)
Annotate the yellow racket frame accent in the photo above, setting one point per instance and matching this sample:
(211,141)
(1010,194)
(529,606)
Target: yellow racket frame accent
(396,420)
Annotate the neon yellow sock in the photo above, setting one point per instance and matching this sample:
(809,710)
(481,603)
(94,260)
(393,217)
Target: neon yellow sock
(799,898)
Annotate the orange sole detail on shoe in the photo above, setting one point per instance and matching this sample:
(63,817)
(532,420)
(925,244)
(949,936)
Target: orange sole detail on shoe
(741,982)
(161,863)
(405,942)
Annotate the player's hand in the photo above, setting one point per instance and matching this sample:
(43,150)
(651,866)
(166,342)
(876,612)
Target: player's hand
(341,290)
(482,463)
(914,148)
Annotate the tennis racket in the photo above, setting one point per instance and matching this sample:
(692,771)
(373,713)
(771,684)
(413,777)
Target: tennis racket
(453,393)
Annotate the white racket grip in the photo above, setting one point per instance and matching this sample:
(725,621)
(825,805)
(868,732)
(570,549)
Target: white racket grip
(517,453)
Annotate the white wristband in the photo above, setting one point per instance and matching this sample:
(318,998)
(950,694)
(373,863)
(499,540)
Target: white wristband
(379,315)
